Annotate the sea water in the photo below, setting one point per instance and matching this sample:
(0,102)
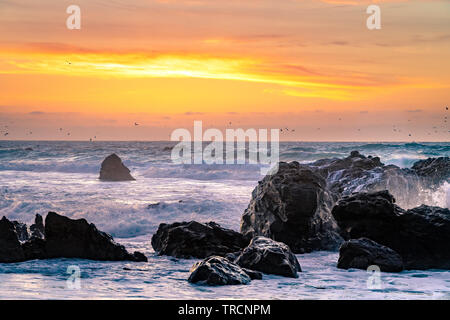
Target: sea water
(40,176)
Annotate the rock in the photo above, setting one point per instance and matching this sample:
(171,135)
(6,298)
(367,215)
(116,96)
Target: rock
(113,169)
(253,274)
(34,248)
(268,256)
(362,253)
(293,206)
(421,235)
(21,231)
(217,270)
(37,229)
(434,170)
(10,248)
(357,173)
(67,238)
(195,239)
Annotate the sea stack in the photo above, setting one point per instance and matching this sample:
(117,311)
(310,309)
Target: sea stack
(114,170)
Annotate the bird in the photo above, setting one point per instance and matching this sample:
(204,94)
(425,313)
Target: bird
(446,108)
(136,124)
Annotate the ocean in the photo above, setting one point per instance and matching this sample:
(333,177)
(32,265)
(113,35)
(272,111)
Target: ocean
(42,176)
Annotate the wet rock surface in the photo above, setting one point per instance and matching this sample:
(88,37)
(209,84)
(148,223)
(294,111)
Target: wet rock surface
(293,206)
(217,270)
(362,253)
(196,240)
(421,235)
(269,256)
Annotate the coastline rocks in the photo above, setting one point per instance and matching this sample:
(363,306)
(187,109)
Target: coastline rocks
(113,169)
(217,270)
(37,229)
(21,231)
(421,235)
(196,240)
(268,256)
(293,206)
(362,253)
(10,248)
(434,170)
(67,238)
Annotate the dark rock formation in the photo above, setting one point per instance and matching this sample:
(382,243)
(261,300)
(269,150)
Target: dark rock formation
(358,173)
(21,231)
(293,206)
(198,240)
(37,229)
(114,170)
(434,170)
(362,253)
(268,256)
(34,248)
(78,239)
(10,248)
(60,238)
(217,270)
(421,235)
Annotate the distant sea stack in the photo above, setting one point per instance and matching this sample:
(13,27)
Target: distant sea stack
(114,170)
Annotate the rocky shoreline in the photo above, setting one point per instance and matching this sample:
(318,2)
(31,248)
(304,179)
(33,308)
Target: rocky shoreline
(347,205)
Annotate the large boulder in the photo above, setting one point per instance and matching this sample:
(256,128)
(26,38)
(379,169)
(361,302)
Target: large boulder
(196,240)
(113,169)
(362,253)
(68,238)
(293,206)
(269,256)
(421,235)
(10,248)
(217,270)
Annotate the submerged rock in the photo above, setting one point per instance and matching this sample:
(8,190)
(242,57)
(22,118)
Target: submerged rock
(421,235)
(269,256)
(293,206)
(217,270)
(113,169)
(197,240)
(362,253)
(69,238)
(10,248)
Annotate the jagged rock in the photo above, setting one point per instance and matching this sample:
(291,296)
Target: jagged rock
(198,240)
(421,235)
(269,256)
(37,229)
(362,253)
(358,173)
(434,170)
(113,169)
(293,206)
(78,239)
(21,231)
(217,270)
(10,248)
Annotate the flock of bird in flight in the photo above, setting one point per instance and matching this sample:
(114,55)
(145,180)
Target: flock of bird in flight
(6,132)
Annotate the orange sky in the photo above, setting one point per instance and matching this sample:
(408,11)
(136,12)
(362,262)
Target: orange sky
(306,64)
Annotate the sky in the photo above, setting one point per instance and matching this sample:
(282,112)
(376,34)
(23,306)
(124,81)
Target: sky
(138,69)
